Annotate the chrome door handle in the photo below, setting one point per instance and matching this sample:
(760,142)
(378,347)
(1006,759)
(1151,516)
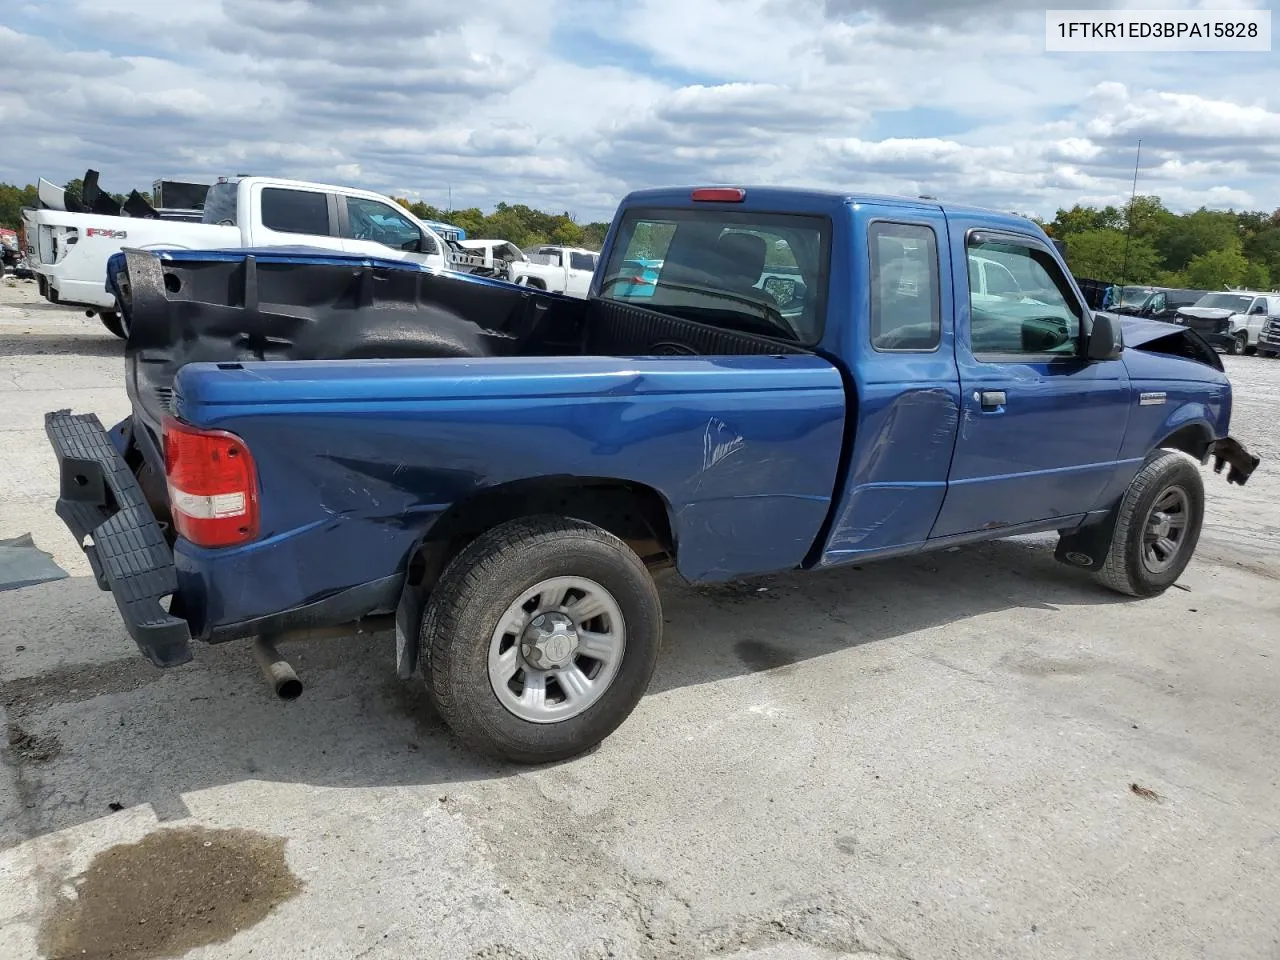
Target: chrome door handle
(990,399)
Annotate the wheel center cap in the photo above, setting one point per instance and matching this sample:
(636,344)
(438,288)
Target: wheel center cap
(1160,526)
(549,641)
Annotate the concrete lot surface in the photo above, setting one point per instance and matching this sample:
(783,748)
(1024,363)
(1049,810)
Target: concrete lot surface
(976,754)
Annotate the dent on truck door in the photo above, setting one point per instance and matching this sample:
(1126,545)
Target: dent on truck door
(906,381)
(1040,425)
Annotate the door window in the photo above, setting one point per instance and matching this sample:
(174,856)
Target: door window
(296,211)
(582,261)
(905,310)
(1027,306)
(378,222)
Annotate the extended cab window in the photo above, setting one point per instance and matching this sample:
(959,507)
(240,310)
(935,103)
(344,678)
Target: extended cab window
(295,211)
(220,204)
(760,273)
(1024,303)
(905,311)
(381,223)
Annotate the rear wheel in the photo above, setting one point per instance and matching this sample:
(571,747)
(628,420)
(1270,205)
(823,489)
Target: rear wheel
(1157,529)
(540,638)
(113,323)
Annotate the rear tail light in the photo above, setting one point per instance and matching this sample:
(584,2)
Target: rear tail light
(213,486)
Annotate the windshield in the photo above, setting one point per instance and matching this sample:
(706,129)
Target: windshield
(1133,296)
(753,272)
(1225,301)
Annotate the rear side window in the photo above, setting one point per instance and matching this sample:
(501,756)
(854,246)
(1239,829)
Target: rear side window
(761,273)
(582,261)
(220,204)
(906,313)
(296,211)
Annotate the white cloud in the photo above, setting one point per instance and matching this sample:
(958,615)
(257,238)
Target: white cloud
(491,102)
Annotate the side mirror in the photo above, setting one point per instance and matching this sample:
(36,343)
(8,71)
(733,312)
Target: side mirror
(1106,339)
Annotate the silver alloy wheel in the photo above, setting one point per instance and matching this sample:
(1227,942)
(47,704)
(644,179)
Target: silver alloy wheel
(1166,529)
(556,649)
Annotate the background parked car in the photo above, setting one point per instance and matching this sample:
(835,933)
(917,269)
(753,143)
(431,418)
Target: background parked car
(1157,303)
(1231,320)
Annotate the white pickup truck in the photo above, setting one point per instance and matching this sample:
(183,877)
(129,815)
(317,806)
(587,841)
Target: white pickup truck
(556,269)
(69,251)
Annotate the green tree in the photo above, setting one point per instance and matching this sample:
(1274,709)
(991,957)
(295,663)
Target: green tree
(1147,218)
(593,235)
(12,200)
(1263,248)
(1081,219)
(1101,254)
(1216,269)
(1257,276)
(1195,234)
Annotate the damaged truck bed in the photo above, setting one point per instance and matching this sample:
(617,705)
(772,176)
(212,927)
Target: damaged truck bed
(317,439)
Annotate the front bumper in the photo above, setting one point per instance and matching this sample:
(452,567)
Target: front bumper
(1221,340)
(102,504)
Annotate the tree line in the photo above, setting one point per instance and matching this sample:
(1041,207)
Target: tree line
(520,224)
(1145,243)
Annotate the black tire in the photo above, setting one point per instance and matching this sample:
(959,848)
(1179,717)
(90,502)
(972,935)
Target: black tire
(112,322)
(1237,344)
(476,589)
(1126,568)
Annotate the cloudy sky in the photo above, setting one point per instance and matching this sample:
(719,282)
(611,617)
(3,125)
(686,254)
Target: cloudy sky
(567,104)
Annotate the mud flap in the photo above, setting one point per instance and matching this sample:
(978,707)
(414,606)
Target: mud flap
(1086,547)
(413,603)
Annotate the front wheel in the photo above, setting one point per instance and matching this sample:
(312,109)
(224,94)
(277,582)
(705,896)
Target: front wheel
(1157,528)
(540,638)
(1237,344)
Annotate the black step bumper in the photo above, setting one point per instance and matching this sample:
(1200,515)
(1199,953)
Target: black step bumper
(99,499)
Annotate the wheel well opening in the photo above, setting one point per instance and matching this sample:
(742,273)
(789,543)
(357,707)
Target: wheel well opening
(1193,439)
(635,513)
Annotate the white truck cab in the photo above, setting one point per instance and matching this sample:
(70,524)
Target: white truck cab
(71,250)
(557,269)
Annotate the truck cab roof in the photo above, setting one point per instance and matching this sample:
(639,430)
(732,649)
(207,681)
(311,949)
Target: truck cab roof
(810,200)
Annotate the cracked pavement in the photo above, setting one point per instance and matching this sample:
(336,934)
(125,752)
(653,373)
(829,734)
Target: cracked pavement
(976,753)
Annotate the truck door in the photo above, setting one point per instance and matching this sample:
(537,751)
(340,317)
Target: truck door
(1040,425)
(899,335)
(377,229)
(582,267)
(1255,319)
(290,216)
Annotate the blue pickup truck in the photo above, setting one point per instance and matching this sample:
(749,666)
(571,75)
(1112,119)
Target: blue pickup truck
(319,441)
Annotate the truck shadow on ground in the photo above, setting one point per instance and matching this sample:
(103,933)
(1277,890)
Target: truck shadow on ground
(86,344)
(87,739)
